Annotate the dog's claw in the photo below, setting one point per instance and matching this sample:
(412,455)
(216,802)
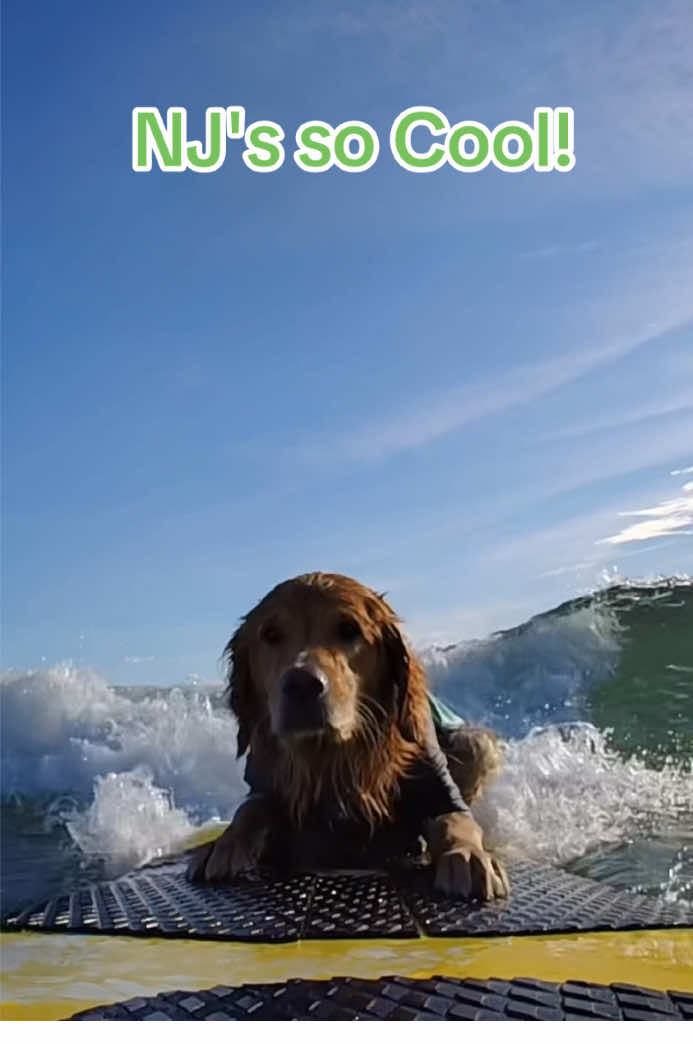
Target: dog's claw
(237,851)
(471,873)
(195,872)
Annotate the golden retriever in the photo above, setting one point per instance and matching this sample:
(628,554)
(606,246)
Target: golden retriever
(344,765)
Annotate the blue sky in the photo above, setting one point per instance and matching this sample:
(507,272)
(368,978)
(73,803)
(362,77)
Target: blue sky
(455,387)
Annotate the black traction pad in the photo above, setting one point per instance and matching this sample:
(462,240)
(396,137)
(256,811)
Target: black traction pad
(439,998)
(158,901)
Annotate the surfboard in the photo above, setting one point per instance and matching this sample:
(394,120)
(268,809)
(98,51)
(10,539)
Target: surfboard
(150,945)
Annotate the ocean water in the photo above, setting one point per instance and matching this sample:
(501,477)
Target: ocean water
(594,701)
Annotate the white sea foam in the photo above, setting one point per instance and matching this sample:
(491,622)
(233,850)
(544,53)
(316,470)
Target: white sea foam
(65,727)
(563,792)
(130,821)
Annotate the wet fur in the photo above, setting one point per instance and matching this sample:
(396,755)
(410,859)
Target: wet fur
(362,773)
(357,764)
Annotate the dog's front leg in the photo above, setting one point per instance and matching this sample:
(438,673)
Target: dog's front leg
(473,756)
(240,848)
(462,865)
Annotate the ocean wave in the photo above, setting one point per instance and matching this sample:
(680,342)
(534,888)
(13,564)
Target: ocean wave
(64,728)
(540,673)
(564,791)
(130,774)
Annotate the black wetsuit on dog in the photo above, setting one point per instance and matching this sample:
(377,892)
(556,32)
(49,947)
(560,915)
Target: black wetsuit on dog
(332,837)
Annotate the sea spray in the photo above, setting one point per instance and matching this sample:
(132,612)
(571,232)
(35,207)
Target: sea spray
(130,821)
(564,791)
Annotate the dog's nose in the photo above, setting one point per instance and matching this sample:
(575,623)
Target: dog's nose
(303,707)
(303,685)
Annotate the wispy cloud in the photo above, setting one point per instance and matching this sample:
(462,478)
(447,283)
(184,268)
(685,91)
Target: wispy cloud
(628,79)
(649,298)
(454,410)
(556,249)
(631,88)
(608,460)
(668,518)
(673,401)
(577,545)
(576,567)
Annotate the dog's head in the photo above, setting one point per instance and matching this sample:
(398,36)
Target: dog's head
(322,658)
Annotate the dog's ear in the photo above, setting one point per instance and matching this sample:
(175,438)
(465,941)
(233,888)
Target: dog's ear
(240,690)
(399,670)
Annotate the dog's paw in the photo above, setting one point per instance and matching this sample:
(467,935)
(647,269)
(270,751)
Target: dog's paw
(229,856)
(471,873)
(197,863)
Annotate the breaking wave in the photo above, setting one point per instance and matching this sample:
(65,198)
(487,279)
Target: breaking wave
(594,699)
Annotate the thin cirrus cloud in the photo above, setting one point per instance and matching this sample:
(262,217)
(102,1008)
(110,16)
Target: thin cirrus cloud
(628,79)
(672,517)
(674,401)
(517,387)
(556,249)
(630,88)
(649,299)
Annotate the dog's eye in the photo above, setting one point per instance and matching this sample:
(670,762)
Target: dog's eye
(271,634)
(348,630)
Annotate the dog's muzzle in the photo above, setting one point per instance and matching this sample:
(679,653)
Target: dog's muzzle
(302,706)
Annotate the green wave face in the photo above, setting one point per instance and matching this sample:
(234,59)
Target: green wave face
(647,704)
(620,658)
